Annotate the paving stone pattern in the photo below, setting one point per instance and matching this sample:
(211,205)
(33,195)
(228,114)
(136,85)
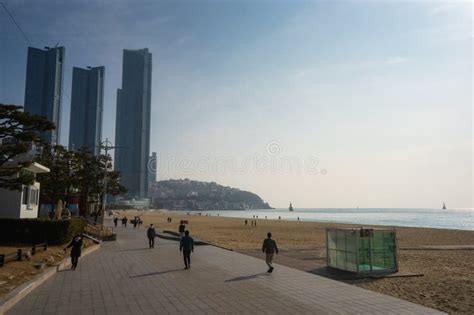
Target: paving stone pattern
(126,277)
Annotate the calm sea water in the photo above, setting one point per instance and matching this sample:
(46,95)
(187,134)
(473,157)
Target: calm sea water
(460,219)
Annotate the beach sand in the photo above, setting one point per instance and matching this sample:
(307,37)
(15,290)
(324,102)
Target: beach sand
(448,275)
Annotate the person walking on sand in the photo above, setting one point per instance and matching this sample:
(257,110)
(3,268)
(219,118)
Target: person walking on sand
(76,245)
(186,246)
(246,222)
(151,233)
(269,248)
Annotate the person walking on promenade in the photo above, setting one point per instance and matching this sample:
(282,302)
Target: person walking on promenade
(124,221)
(186,246)
(115,221)
(269,248)
(76,245)
(135,222)
(151,233)
(181,229)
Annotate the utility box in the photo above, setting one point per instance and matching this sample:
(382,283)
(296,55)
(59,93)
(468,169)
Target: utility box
(362,250)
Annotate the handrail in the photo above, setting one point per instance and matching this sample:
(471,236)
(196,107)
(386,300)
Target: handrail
(93,222)
(97,224)
(99,231)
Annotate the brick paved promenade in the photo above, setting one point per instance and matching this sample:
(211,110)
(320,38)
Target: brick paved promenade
(125,277)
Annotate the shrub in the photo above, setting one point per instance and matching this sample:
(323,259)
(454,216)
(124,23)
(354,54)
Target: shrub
(35,231)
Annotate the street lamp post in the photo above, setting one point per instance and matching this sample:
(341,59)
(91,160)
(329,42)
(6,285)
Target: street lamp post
(106,146)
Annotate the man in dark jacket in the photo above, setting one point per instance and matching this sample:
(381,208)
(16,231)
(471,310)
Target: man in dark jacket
(151,233)
(187,246)
(269,248)
(76,245)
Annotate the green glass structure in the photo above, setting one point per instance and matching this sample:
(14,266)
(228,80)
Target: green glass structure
(362,250)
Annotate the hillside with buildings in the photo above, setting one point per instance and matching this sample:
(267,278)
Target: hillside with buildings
(185,194)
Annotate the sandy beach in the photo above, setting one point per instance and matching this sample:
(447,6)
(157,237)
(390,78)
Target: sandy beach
(448,275)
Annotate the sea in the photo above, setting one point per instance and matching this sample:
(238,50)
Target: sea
(458,219)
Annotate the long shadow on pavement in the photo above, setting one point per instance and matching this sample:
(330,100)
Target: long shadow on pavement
(241,278)
(155,273)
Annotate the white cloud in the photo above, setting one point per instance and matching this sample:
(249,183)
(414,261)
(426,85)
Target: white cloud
(396,60)
(451,5)
(301,73)
(441,8)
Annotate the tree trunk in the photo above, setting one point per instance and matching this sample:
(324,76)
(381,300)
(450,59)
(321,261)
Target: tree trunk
(83,205)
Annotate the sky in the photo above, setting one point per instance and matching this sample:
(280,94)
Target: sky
(321,103)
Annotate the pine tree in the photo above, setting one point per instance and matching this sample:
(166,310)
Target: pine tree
(18,131)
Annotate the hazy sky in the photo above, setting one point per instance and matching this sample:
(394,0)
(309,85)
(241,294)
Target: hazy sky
(325,104)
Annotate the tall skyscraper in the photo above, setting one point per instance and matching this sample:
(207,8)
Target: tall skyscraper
(152,165)
(132,130)
(87,101)
(44,85)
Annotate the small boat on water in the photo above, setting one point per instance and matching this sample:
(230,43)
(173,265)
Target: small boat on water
(444,206)
(290,207)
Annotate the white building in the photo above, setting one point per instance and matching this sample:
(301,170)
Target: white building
(22,204)
(141,203)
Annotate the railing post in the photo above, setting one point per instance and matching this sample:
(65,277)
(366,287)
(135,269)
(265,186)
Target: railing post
(19,254)
(2,260)
(33,250)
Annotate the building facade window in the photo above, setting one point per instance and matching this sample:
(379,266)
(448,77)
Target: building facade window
(29,197)
(24,195)
(33,197)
